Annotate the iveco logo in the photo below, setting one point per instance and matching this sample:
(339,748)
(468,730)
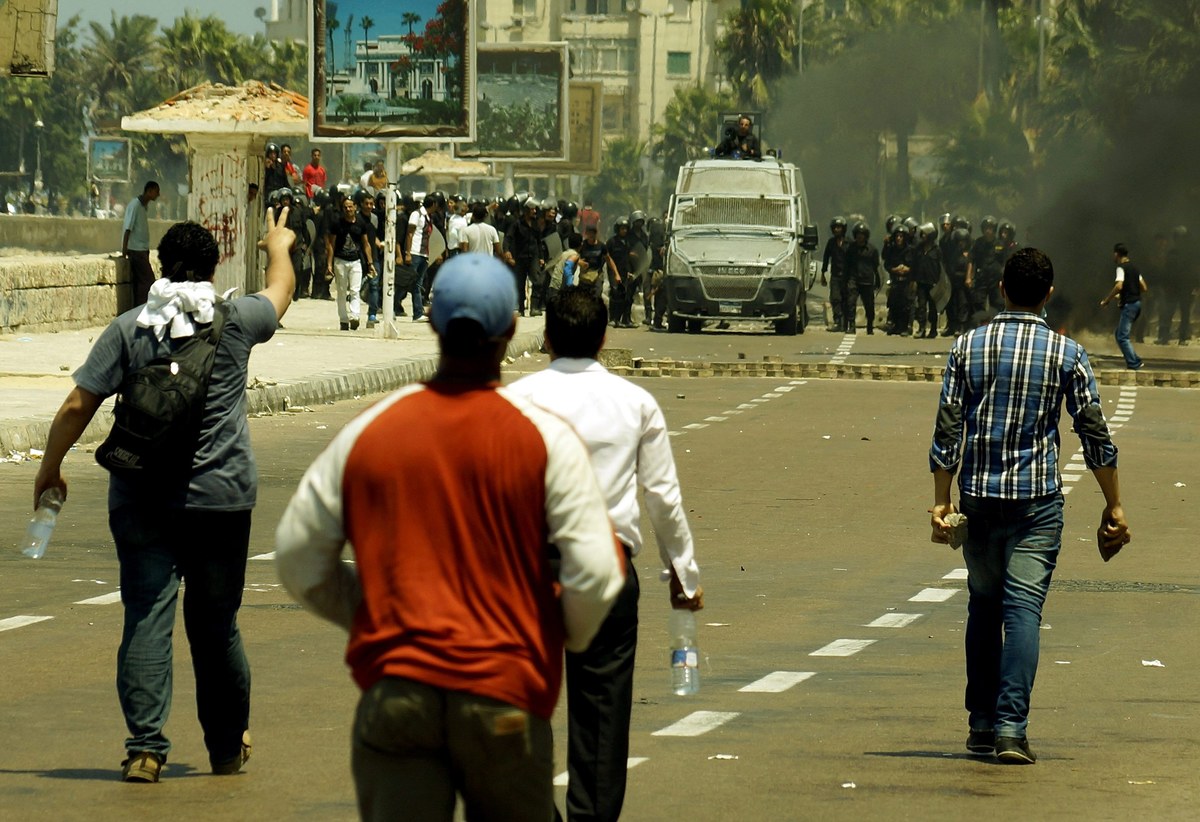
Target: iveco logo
(730,269)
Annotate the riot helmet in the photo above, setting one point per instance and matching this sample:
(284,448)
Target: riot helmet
(836,223)
(927,232)
(271,147)
(861,230)
(638,216)
(960,236)
(946,219)
(621,222)
(891,221)
(1007,231)
(987,224)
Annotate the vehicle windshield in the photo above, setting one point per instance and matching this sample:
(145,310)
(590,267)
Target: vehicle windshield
(746,178)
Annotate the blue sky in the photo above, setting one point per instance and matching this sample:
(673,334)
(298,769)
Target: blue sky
(387,14)
(237,14)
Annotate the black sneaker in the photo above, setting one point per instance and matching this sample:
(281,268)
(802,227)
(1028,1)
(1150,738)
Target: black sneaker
(1012,750)
(344,326)
(981,742)
(354,324)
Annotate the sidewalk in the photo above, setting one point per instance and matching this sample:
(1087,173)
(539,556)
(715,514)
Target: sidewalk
(308,362)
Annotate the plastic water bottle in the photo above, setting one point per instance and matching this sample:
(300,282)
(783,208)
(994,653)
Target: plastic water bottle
(685,655)
(42,524)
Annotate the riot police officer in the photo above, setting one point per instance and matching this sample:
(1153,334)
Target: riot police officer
(926,270)
(985,271)
(896,262)
(862,275)
(640,265)
(621,251)
(957,260)
(833,270)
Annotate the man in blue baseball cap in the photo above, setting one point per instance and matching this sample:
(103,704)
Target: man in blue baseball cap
(450,493)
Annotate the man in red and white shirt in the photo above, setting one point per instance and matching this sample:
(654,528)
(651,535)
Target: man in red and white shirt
(482,548)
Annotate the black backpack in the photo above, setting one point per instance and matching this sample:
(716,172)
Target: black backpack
(156,421)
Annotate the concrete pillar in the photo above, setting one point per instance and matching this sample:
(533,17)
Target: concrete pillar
(222,168)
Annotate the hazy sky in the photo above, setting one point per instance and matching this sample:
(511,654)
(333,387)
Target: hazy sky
(237,14)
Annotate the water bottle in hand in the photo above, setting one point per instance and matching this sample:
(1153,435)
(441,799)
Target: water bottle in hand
(42,524)
(685,655)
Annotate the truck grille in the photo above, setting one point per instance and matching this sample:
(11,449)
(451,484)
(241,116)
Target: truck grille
(736,211)
(730,288)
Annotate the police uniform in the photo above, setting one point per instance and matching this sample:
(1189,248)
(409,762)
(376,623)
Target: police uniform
(862,275)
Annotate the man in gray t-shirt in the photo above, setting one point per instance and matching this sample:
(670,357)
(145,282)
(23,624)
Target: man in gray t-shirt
(195,527)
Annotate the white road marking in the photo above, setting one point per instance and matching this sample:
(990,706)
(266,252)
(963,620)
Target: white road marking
(934,595)
(957,573)
(772,395)
(1122,418)
(1078,457)
(758,400)
(798,382)
(786,388)
(103,599)
(21,622)
(267,556)
(733,412)
(747,406)
(1126,405)
(1067,489)
(696,426)
(715,419)
(564,778)
(777,682)
(894,620)
(697,723)
(843,647)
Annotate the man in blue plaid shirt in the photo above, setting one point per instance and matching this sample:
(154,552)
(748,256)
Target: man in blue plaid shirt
(997,426)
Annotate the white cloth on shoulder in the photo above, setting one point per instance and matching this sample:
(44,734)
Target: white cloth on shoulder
(178,305)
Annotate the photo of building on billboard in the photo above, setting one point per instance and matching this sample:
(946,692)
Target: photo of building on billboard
(521,103)
(109,160)
(388,69)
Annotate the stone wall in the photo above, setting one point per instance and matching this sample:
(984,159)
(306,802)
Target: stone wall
(41,293)
(71,235)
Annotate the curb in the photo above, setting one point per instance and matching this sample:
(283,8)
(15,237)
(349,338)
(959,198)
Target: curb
(775,367)
(266,399)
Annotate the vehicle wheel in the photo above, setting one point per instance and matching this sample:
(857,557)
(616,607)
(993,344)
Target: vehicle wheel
(694,326)
(787,326)
(803,318)
(674,324)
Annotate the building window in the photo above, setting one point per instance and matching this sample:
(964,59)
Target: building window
(679,62)
(603,56)
(524,8)
(598,7)
(681,9)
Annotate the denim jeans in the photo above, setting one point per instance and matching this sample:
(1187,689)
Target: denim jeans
(1129,313)
(373,290)
(207,550)
(1011,550)
(421,266)
(414,746)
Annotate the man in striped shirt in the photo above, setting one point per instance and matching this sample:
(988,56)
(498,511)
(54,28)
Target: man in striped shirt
(997,426)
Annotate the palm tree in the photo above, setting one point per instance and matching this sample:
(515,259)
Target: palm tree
(332,25)
(120,57)
(197,50)
(410,19)
(349,42)
(367,24)
(759,47)
(688,128)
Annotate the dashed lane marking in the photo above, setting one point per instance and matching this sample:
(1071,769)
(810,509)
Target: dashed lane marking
(697,723)
(772,395)
(777,682)
(894,621)
(746,406)
(21,621)
(957,573)
(1067,490)
(785,388)
(696,426)
(103,599)
(843,647)
(564,778)
(715,419)
(265,557)
(758,401)
(934,595)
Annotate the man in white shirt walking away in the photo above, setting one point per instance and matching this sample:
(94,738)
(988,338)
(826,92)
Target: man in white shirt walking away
(626,436)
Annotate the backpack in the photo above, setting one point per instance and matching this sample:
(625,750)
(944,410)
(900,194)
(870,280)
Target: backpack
(160,406)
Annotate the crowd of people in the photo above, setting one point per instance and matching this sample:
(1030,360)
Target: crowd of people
(914,258)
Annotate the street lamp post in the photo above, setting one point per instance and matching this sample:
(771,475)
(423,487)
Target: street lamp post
(37,172)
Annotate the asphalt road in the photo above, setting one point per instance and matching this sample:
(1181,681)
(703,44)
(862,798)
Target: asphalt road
(808,503)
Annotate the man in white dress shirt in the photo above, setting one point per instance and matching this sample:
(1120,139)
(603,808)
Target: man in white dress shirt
(626,436)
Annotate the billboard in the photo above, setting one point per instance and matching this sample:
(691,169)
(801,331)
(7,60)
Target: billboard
(584,145)
(521,103)
(392,69)
(27,37)
(109,160)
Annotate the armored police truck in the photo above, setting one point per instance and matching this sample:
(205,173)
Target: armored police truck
(739,245)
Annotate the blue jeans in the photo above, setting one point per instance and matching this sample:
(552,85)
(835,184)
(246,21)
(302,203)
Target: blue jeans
(373,288)
(1011,550)
(1129,313)
(207,550)
(421,265)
